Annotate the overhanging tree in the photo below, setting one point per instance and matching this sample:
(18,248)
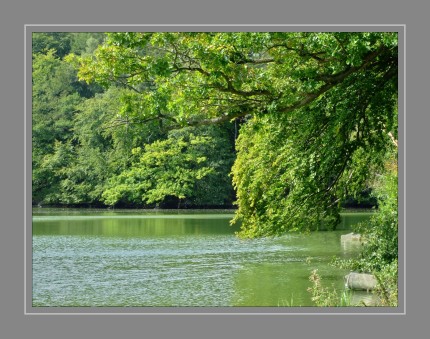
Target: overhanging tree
(318,110)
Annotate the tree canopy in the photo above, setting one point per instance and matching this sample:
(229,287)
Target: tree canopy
(317,110)
(301,121)
(85,142)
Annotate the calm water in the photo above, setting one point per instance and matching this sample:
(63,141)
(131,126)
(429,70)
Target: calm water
(130,258)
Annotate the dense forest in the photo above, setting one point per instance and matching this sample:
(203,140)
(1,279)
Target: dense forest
(153,120)
(91,149)
(287,127)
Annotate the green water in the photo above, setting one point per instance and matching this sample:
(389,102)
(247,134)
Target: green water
(149,258)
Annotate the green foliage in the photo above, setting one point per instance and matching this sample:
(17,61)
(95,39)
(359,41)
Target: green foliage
(185,168)
(54,104)
(262,178)
(381,233)
(55,41)
(379,254)
(50,174)
(102,148)
(202,76)
(324,296)
(94,136)
(293,172)
(316,109)
(63,43)
(387,287)
(85,42)
(57,96)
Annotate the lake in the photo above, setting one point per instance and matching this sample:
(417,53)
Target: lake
(175,258)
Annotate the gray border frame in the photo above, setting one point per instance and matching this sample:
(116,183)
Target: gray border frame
(400,310)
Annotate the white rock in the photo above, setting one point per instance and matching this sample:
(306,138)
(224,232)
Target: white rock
(360,281)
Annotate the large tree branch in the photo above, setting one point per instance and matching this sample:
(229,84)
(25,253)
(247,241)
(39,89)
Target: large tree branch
(332,81)
(191,69)
(229,89)
(217,120)
(301,52)
(255,61)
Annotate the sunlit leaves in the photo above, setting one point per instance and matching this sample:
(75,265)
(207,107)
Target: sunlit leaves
(54,105)
(207,75)
(186,167)
(292,172)
(323,105)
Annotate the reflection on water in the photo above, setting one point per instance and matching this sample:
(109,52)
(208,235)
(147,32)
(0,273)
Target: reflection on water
(132,227)
(155,259)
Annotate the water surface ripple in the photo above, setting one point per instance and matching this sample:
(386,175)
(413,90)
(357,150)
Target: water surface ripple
(194,260)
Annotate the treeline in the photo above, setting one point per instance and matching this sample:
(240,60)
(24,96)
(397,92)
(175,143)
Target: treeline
(91,147)
(87,151)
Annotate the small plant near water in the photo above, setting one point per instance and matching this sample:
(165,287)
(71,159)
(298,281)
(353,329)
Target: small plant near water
(325,296)
(387,289)
(287,303)
(379,254)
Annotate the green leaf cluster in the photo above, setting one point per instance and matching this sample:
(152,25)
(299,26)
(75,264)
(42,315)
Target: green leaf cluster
(54,102)
(189,168)
(379,253)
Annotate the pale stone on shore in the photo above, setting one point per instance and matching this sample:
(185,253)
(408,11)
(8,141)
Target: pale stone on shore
(351,237)
(351,241)
(360,281)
